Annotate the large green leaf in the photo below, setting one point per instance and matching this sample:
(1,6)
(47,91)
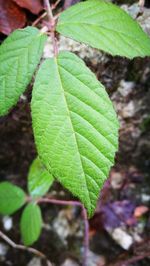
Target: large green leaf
(20,54)
(75,126)
(105,26)
(12,198)
(31,224)
(39,179)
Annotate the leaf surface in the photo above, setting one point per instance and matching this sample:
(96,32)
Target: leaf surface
(20,54)
(31,224)
(75,126)
(12,198)
(104,26)
(39,179)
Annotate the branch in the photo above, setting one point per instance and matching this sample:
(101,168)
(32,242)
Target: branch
(38,19)
(86,224)
(21,247)
(48,9)
(135,259)
(56,4)
(52,24)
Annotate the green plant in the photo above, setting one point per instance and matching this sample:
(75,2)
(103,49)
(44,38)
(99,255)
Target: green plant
(74,123)
(12,198)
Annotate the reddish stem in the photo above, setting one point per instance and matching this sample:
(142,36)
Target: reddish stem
(56,4)
(86,224)
(51,25)
(48,9)
(135,259)
(39,19)
(21,247)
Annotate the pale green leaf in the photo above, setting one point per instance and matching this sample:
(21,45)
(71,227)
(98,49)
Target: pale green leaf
(31,224)
(104,26)
(12,198)
(39,179)
(75,126)
(20,54)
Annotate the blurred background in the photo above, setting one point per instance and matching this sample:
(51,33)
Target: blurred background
(120,229)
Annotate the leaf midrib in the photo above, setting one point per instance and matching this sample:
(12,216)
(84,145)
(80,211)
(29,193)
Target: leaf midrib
(77,145)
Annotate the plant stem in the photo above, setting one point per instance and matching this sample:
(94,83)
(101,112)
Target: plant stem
(21,247)
(51,25)
(86,224)
(132,260)
(56,4)
(48,9)
(55,47)
(86,235)
(135,259)
(38,19)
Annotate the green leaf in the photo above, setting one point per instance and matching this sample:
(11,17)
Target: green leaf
(75,126)
(104,26)
(20,54)
(39,179)
(12,198)
(31,224)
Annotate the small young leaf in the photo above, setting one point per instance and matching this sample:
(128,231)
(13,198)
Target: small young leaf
(75,126)
(12,198)
(20,54)
(104,26)
(39,179)
(31,224)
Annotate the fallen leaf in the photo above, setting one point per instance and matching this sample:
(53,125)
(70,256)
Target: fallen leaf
(35,6)
(12,17)
(140,210)
(115,214)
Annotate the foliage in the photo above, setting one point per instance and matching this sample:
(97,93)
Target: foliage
(12,198)
(20,54)
(76,137)
(39,179)
(104,26)
(31,224)
(74,123)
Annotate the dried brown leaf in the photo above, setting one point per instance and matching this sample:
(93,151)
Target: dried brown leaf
(35,6)
(11,16)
